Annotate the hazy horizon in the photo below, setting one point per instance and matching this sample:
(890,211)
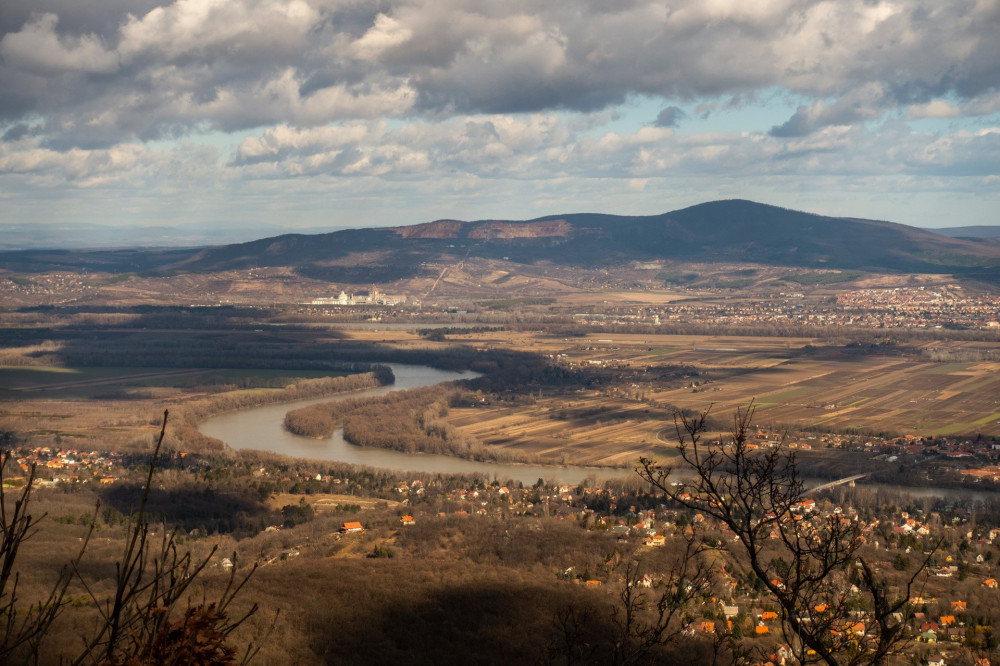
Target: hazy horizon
(57,235)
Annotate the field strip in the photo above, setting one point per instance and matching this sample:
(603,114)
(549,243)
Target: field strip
(108,380)
(987,419)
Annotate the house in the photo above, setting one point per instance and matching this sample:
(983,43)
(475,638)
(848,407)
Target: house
(785,652)
(708,627)
(767,616)
(351,527)
(760,629)
(407,520)
(935,660)
(990,583)
(593,583)
(655,541)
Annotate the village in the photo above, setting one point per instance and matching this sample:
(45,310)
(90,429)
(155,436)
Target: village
(943,618)
(892,308)
(953,609)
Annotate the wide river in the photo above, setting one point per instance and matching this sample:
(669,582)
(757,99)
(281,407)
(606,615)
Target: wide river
(260,428)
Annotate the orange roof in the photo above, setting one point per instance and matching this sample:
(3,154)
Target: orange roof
(351,526)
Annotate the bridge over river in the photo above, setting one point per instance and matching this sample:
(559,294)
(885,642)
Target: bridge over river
(838,482)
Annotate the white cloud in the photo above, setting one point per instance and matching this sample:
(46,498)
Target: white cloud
(386,34)
(472,94)
(194,28)
(38,49)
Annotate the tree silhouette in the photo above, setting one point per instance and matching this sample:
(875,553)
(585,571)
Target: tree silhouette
(150,618)
(835,608)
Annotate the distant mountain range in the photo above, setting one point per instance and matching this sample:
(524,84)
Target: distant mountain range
(718,231)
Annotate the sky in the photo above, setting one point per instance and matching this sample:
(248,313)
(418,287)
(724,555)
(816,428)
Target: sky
(295,114)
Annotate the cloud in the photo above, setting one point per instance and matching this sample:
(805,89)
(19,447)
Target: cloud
(386,34)
(126,71)
(39,50)
(669,117)
(547,148)
(940,108)
(438,101)
(866,103)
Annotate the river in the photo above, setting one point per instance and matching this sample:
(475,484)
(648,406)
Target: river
(261,428)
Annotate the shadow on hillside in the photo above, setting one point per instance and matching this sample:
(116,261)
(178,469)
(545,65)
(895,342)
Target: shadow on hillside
(189,508)
(484,624)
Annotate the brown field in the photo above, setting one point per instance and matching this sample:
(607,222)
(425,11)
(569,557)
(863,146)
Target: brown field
(795,383)
(828,388)
(327,502)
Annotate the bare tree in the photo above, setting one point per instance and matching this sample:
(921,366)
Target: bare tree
(151,617)
(643,619)
(646,619)
(142,623)
(21,631)
(835,609)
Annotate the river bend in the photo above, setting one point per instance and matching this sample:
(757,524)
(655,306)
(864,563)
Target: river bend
(261,428)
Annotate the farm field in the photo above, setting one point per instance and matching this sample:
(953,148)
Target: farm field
(111,407)
(796,383)
(329,502)
(62,382)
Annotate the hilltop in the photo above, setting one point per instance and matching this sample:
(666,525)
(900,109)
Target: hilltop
(735,231)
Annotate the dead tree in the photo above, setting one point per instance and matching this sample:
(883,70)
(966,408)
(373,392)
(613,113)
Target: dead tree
(643,620)
(22,630)
(150,618)
(835,609)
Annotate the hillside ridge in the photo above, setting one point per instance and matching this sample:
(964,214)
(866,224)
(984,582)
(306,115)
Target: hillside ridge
(732,230)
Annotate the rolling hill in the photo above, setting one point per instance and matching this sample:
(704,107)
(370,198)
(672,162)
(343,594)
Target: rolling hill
(719,231)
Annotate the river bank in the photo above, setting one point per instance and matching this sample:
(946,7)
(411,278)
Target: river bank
(261,428)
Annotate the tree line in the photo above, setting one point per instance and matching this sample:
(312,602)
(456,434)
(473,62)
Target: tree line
(407,421)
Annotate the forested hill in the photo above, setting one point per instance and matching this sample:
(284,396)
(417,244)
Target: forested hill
(727,231)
